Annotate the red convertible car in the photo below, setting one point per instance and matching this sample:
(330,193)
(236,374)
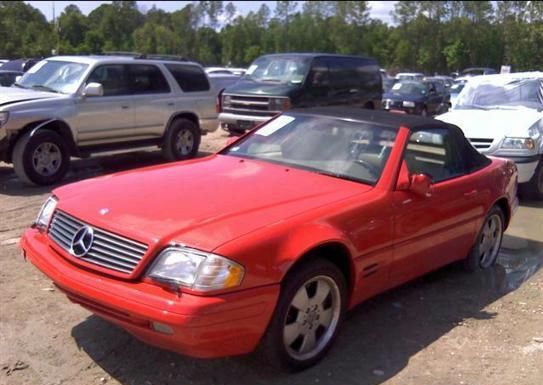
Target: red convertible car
(268,242)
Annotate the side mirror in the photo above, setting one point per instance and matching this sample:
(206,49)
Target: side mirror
(420,184)
(94,89)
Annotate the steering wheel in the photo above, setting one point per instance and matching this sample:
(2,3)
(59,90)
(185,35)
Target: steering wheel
(373,169)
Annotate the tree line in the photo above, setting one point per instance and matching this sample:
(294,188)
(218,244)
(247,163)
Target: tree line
(428,36)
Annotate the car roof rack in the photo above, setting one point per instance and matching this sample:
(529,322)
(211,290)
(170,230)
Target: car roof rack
(120,53)
(161,57)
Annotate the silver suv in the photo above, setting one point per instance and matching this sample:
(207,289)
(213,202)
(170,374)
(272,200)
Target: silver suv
(74,106)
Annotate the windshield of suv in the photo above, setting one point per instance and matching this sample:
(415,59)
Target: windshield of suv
(331,146)
(54,76)
(506,92)
(279,69)
(409,88)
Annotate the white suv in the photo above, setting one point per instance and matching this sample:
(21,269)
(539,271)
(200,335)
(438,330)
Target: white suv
(502,115)
(79,105)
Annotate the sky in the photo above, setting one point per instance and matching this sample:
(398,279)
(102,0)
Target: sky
(379,9)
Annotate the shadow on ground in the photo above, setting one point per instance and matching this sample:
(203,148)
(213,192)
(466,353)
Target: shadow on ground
(379,335)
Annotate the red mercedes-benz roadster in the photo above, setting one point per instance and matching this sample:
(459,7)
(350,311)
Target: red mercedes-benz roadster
(270,241)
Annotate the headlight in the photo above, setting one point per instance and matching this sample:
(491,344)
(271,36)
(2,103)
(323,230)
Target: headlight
(3,118)
(196,269)
(279,104)
(226,100)
(46,213)
(408,104)
(518,144)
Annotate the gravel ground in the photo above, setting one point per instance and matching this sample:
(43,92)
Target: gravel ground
(449,327)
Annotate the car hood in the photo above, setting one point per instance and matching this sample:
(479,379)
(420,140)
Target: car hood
(10,95)
(490,124)
(251,87)
(411,98)
(202,203)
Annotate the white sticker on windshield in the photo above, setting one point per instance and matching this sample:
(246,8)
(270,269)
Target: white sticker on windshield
(36,66)
(251,69)
(275,125)
(397,86)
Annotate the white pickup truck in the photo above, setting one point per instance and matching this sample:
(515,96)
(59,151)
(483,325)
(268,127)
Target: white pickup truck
(74,106)
(502,115)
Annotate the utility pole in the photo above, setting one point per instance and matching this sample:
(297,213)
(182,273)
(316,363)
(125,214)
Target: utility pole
(55,29)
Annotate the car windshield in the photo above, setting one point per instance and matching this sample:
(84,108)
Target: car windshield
(408,88)
(54,76)
(456,88)
(279,69)
(331,146)
(505,93)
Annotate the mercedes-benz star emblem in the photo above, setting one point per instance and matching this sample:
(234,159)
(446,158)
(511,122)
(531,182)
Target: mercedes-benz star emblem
(82,241)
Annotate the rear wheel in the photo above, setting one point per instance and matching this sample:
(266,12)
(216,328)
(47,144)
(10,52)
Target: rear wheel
(182,140)
(487,245)
(308,314)
(42,158)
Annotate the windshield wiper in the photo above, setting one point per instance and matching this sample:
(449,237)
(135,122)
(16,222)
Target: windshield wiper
(272,80)
(20,86)
(45,88)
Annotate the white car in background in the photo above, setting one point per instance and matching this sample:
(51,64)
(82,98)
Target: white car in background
(502,115)
(409,76)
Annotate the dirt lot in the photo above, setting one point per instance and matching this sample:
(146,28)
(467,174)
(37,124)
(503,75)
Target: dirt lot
(446,328)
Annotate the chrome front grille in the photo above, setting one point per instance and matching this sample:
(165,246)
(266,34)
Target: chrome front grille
(249,105)
(108,250)
(481,143)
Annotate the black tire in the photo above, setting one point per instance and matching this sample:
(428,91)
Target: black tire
(182,140)
(273,348)
(533,189)
(480,257)
(42,158)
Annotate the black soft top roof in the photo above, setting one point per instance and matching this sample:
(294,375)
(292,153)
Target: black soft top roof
(382,118)
(472,158)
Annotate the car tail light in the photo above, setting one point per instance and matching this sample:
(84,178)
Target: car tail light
(218,102)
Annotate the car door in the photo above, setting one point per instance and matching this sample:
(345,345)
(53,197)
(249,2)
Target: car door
(107,118)
(153,101)
(434,99)
(433,230)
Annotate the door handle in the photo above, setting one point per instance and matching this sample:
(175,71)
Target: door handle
(124,107)
(470,194)
(171,104)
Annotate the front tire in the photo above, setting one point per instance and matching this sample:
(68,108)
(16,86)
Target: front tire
(534,187)
(309,313)
(42,158)
(182,140)
(487,245)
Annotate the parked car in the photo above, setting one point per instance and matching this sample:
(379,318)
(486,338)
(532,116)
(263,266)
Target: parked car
(274,83)
(502,115)
(220,81)
(7,78)
(417,97)
(21,65)
(77,106)
(271,240)
(225,70)
(446,80)
(455,90)
(478,71)
(409,76)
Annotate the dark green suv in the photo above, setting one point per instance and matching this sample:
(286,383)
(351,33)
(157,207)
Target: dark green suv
(274,83)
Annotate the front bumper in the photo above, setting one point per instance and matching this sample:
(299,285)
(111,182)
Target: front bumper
(241,122)
(199,326)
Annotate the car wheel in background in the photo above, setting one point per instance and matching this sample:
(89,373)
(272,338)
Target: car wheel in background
(534,187)
(182,140)
(306,320)
(487,245)
(41,158)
